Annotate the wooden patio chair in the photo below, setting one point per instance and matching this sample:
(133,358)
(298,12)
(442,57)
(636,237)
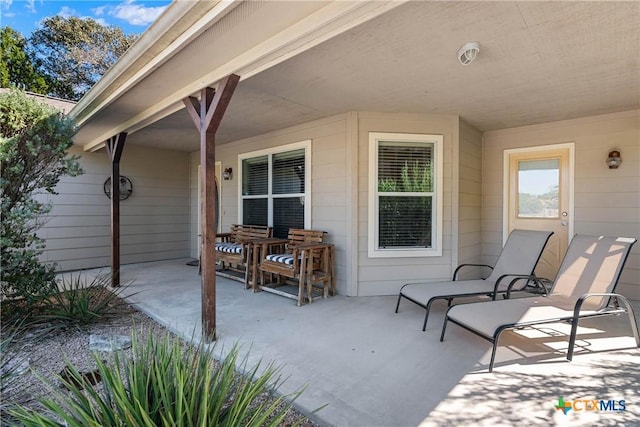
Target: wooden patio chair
(584,287)
(302,255)
(233,250)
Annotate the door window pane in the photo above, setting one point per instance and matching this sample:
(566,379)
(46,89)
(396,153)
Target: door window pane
(538,184)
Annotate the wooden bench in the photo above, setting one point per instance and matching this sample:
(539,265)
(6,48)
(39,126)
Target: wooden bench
(304,259)
(232,252)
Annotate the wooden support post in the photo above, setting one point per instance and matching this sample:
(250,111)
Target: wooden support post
(114,146)
(207,113)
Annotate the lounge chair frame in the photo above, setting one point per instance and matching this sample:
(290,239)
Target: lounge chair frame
(534,285)
(612,307)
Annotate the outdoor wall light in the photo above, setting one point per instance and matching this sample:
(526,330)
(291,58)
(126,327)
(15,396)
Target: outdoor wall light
(614,159)
(227,174)
(468,52)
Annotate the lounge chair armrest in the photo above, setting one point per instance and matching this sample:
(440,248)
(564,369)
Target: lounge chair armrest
(538,283)
(583,298)
(455,273)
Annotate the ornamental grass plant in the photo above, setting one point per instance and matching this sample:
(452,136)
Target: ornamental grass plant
(79,300)
(166,383)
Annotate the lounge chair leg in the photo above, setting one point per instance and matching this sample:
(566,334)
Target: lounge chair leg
(572,338)
(444,328)
(426,315)
(495,340)
(632,318)
(493,354)
(634,324)
(398,303)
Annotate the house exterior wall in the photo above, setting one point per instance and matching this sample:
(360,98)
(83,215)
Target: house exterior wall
(606,201)
(469,198)
(154,219)
(385,276)
(328,182)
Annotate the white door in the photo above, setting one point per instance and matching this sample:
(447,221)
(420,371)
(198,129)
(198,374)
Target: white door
(540,186)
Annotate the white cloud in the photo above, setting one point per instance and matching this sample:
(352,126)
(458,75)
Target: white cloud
(136,14)
(67,12)
(5,5)
(31,6)
(99,11)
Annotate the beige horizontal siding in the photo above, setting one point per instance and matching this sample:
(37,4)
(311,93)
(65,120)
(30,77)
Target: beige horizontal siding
(607,201)
(154,220)
(385,276)
(328,181)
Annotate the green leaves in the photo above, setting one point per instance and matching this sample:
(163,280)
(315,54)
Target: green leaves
(168,384)
(78,301)
(73,53)
(34,139)
(16,67)
(413,178)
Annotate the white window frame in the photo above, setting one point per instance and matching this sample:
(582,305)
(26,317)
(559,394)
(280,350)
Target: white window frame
(374,251)
(269,152)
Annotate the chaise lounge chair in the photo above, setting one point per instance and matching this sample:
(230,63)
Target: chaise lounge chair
(517,259)
(583,288)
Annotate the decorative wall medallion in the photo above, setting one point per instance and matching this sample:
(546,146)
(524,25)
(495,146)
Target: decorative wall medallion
(126,187)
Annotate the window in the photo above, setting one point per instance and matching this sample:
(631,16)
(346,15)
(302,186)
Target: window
(405,202)
(275,188)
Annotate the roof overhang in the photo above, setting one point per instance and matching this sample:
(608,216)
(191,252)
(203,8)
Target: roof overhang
(304,60)
(303,25)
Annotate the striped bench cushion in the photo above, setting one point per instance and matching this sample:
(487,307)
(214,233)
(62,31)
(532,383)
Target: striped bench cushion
(230,248)
(281,258)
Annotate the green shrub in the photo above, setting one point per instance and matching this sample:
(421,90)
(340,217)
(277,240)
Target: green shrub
(34,139)
(166,384)
(80,301)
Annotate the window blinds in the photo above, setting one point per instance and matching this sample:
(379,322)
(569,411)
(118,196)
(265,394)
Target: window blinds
(405,194)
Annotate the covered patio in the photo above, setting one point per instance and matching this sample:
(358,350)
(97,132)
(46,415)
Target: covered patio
(376,368)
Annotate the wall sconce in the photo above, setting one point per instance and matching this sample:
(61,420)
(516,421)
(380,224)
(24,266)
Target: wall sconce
(227,174)
(614,159)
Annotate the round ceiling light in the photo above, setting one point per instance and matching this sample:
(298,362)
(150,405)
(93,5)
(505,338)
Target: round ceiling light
(468,52)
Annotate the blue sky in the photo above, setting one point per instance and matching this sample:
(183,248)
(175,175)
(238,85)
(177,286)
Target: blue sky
(133,16)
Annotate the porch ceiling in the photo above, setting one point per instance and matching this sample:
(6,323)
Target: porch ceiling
(538,62)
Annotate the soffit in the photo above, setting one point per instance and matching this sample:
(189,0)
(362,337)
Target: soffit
(539,62)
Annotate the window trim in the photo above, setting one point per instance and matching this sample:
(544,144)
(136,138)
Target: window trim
(374,251)
(269,152)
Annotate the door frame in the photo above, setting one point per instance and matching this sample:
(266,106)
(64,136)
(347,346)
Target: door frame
(506,179)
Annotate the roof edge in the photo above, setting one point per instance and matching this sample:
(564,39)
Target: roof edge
(178,25)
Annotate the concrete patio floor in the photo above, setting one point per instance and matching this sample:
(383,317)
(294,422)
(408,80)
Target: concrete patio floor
(373,367)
